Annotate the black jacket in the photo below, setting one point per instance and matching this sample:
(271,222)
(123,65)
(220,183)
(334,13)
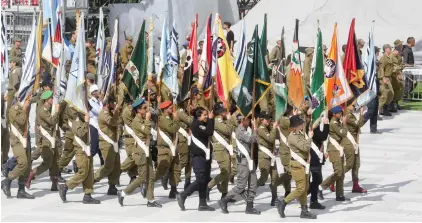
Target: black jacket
(319,138)
(202,131)
(408,55)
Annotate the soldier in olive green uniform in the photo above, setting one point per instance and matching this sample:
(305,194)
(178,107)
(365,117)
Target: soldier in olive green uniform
(85,174)
(91,56)
(141,130)
(14,79)
(5,139)
(307,68)
(18,122)
(182,145)
(284,151)
(167,159)
(107,131)
(266,159)
(69,116)
(128,164)
(16,51)
(337,135)
(301,147)
(126,51)
(221,143)
(47,123)
(385,73)
(351,149)
(397,79)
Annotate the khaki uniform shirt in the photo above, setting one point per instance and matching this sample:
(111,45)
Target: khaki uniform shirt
(299,145)
(15,52)
(185,122)
(386,67)
(15,78)
(141,127)
(80,129)
(266,138)
(169,127)
(337,132)
(108,123)
(225,129)
(18,118)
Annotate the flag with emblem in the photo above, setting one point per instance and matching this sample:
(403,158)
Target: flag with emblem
(241,59)
(164,50)
(57,44)
(369,62)
(135,75)
(227,78)
(317,79)
(337,87)
(263,38)
(100,48)
(4,55)
(206,58)
(76,92)
(191,64)
(114,59)
(352,65)
(295,85)
(256,71)
(279,87)
(47,44)
(172,68)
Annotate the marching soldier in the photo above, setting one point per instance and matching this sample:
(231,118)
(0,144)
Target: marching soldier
(18,123)
(300,151)
(129,164)
(222,149)
(384,75)
(127,51)
(5,139)
(140,129)
(107,130)
(85,174)
(69,116)
(91,56)
(14,79)
(16,50)
(182,146)
(46,124)
(397,77)
(167,159)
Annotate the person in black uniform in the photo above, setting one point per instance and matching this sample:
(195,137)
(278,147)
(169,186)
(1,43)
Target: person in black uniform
(202,128)
(317,160)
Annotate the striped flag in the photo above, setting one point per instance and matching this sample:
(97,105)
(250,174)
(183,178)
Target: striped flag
(29,67)
(170,77)
(46,45)
(100,47)
(241,59)
(114,57)
(4,55)
(164,47)
(205,58)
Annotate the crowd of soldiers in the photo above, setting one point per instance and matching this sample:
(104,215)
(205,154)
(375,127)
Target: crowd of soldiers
(157,138)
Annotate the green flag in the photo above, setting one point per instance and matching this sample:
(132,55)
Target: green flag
(279,86)
(255,71)
(317,79)
(263,40)
(135,75)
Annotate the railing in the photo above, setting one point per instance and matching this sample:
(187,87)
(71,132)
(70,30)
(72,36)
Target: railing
(9,3)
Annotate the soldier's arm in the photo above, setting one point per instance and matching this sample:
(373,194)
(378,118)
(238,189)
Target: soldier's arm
(300,144)
(225,129)
(381,68)
(111,120)
(48,118)
(273,134)
(20,117)
(273,55)
(81,130)
(341,131)
(127,119)
(184,117)
(168,125)
(351,121)
(147,128)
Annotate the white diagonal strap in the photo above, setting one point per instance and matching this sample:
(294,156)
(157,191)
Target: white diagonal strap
(268,153)
(69,123)
(244,151)
(16,132)
(337,146)
(279,165)
(223,142)
(201,146)
(169,142)
(138,141)
(185,134)
(352,140)
(48,136)
(3,123)
(154,134)
(106,138)
(86,148)
(316,149)
(300,160)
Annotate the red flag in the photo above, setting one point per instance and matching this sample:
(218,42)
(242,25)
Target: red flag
(353,68)
(205,76)
(57,44)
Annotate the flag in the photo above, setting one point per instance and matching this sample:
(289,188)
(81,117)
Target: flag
(150,51)
(295,85)
(4,55)
(352,65)
(69,49)
(135,75)
(280,87)
(227,78)
(317,79)
(369,62)
(100,48)
(46,45)
(191,64)
(337,88)
(256,71)
(59,61)
(204,81)
(29,67)
(76,92)
(114,59)
(164,48)
(241,59)
(38,48)
(170,76)
(57,44)
(263,37)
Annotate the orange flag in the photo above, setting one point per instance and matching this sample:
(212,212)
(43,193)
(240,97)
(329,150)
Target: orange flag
(295,85)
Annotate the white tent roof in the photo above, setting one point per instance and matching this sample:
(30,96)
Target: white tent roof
(393,20)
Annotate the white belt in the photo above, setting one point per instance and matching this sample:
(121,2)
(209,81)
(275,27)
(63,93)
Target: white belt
(16,132)
(48,136)
(223,142)
(86,148)
(137,140)
(201,146)
(268,152)
(337,146)
(352,140)
(154,134)
(185,134)
(316,150)
(106,138)
(244,151)
(169,142)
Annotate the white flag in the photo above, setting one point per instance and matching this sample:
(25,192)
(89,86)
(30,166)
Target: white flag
(170,75)
(76,92)
(369,62)
(4,56)
(114,54)
(100,49)
(241,60)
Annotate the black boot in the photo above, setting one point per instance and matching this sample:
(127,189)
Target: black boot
(75,166)
(250,209)
(62,191)
(54,182)
(208,194)
(154,204)
(187,183)
(392,108)
(120,197)
(320,195)
(398,106)
(5,186)
(22,194)
(181,201)
(144,190)
(203,206)
(316,205)
(231,200)
(385,111)
(223,205)
(305,213)
(280,208)
(112,190)
(173,192)
(274,199)
(164,182)
(89,200)
(342,198)
(60,179)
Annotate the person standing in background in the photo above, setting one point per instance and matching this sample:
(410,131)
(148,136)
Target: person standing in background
(229,35)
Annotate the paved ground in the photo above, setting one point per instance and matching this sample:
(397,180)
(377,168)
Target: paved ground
(390,170)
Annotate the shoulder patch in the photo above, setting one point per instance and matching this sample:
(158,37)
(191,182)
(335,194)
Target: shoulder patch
(220,120)
(335,122)
(143,127)
(202,127)
(167,117)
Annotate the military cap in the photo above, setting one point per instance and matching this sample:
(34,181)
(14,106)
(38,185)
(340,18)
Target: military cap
(361,42)
(46,82)
(385,46)
(309,51)
(265,116)
(165,104)
(377,49)
(398,42)
(90,76)
(151,92)
(15,59)
(129,37)
(17,39)
(138,102)
(46,95)
(336,110)
(219,108)
(295,121)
